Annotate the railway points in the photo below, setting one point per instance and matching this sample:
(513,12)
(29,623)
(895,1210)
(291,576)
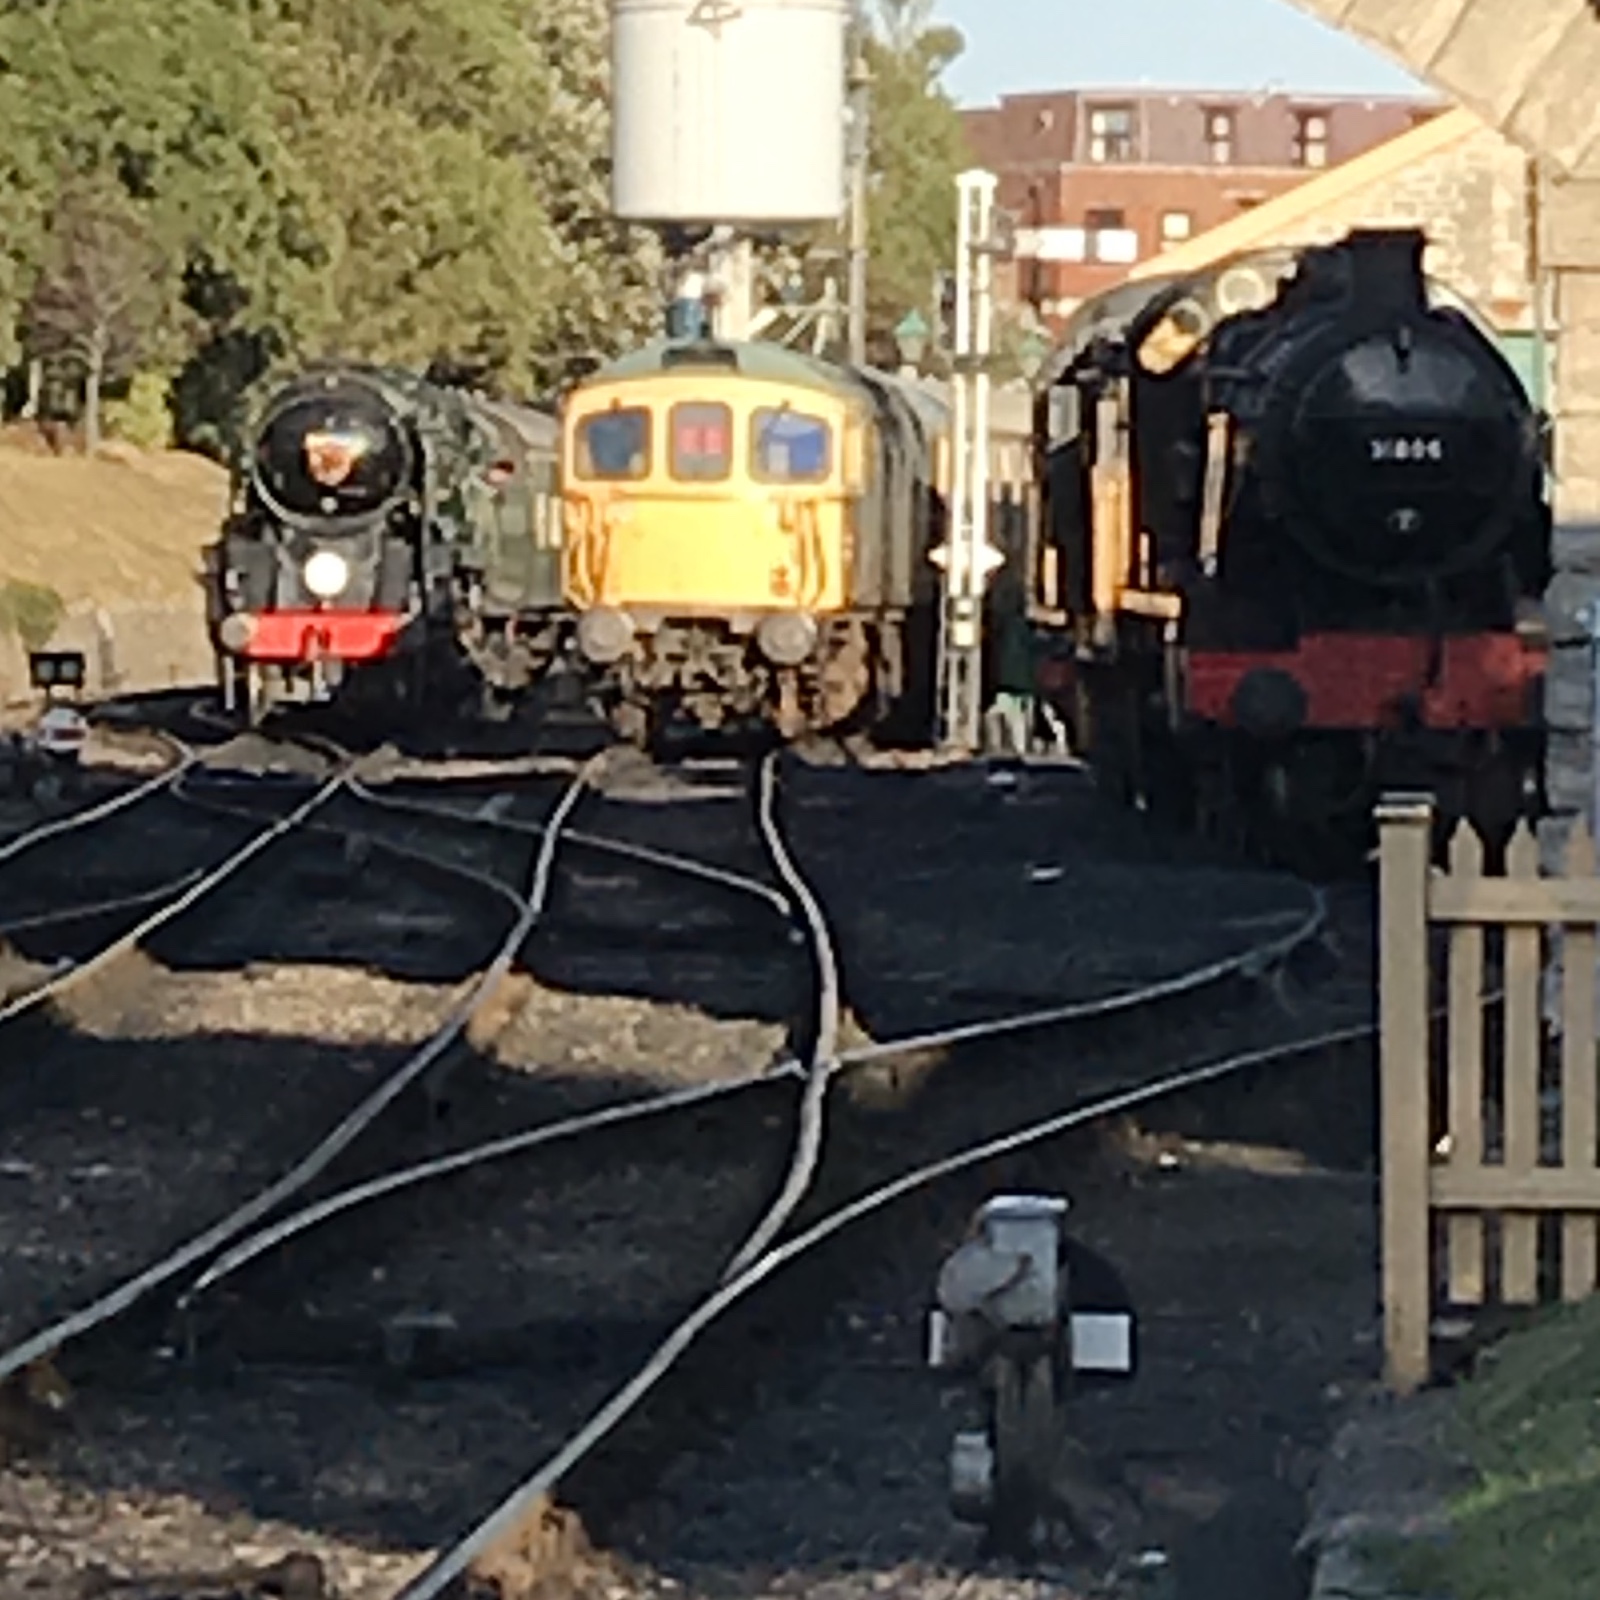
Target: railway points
(462,1329)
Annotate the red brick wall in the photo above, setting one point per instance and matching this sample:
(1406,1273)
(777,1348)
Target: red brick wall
(1144,196)
(1039,146)
(1029,130)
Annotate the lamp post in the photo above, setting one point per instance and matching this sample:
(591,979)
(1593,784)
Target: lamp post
(911,340)
(1032,355)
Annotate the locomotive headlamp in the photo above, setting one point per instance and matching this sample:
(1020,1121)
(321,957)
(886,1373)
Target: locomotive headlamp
(236,631)
(604,635)
(1174,338)
(326,574)
(786,638)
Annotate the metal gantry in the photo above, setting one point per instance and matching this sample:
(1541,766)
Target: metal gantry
(967,557)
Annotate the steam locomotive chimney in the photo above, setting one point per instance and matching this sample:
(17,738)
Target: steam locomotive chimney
(1385,267)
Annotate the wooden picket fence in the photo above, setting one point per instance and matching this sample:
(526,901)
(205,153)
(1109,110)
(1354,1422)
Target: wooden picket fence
(1490,1179)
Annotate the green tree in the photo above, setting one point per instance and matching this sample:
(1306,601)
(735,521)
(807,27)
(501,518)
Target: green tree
(170,106)
(461,147)
(917,150)
(103,293)
(30,611)
(420,181)
(175,104)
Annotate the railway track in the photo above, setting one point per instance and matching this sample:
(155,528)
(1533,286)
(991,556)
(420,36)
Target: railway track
(330,1307)
(254,1131)
(414,1069)
(630,1204)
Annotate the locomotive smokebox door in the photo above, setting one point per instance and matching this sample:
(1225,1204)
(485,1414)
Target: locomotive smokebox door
(1026,1312)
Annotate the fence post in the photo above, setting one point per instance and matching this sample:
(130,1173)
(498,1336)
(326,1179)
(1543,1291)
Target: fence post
(1405,832)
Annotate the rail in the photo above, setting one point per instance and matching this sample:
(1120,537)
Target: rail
(209,880)
(509,1515)
(1259,959)
(99,812)
(198,1248)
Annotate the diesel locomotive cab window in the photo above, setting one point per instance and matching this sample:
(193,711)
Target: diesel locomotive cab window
(702,442)
(615,445)
(332,456)
(787,447)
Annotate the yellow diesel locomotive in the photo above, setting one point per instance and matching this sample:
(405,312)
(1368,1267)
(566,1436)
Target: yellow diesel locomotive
(747,533)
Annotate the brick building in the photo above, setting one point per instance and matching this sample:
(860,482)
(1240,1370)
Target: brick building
(1101,180)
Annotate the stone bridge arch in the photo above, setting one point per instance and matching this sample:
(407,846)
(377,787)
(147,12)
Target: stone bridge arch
(1529,67)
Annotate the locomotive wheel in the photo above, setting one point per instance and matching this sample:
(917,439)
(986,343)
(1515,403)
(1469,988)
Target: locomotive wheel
(1115,752)
(1169,780)
(1219,809)
(632,723)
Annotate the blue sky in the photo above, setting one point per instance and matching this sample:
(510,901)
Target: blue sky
(1016,45)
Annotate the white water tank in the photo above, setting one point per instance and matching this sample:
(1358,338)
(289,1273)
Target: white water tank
(728,111)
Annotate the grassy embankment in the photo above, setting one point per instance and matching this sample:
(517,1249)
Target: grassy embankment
(127,525)
(125,528)
(1529,1421)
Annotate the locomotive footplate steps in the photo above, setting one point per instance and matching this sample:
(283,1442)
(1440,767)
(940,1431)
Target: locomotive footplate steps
(1025,1310)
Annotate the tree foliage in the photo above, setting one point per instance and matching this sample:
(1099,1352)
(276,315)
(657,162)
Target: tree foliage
(917,152)
(102,292)
(417,180)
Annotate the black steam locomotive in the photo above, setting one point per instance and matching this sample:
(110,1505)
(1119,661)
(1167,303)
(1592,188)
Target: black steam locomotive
(383,523)
(1300,547)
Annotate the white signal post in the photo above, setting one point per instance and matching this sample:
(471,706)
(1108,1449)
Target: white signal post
(967,557)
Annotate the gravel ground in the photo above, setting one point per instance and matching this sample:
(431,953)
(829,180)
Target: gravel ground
(1253,1271)
(157,1095)
(1060,897)
(637,983)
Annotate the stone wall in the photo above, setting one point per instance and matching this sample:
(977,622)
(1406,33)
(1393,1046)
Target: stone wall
(130,649)
(1528,66)
(1571,243)
(1471,198)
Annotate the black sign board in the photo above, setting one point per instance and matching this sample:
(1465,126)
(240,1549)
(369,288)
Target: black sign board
(56,669)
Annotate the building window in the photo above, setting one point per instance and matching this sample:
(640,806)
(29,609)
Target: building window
(1311,139)
(1108,238)
(1046,121)
(1219,137)
(1111,133)
(1176,226)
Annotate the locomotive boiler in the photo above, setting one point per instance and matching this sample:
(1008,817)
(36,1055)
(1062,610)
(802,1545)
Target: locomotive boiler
(1300,550)
(382,532)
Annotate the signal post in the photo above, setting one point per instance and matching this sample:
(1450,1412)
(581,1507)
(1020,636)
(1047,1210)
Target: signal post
(967,557)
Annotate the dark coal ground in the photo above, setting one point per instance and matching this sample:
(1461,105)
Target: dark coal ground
(953,898)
